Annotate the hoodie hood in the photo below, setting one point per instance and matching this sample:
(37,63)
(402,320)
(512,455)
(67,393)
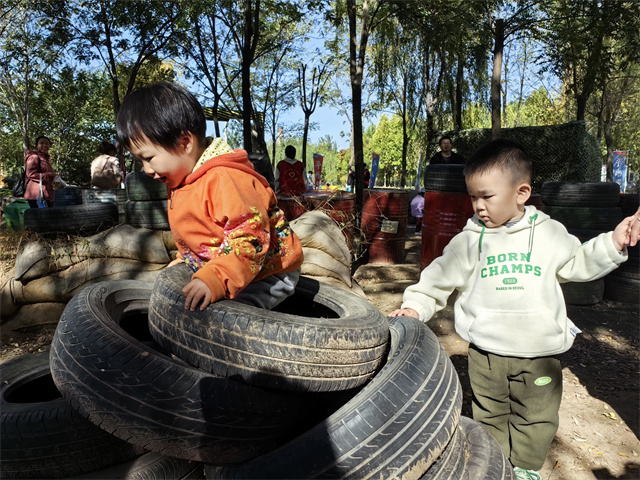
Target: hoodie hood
(237,159)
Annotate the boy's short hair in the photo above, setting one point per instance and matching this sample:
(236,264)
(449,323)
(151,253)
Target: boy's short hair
(162,112)
(290,151)
(506,155)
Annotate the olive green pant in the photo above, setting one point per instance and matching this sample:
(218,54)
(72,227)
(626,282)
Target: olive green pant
(517,400)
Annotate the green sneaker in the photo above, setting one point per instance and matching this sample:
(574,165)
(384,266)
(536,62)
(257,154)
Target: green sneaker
(522,474)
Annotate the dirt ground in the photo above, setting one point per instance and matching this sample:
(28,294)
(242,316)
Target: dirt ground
(599,416)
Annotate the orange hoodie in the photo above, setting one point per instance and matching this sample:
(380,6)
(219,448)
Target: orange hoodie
(227,226)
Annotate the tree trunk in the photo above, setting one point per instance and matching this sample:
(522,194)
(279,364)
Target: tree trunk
(495,78)
(305,137)
(459,83)
(247,60)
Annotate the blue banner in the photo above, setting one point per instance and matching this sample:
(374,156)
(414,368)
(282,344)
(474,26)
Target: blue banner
(375,162)
(620,169)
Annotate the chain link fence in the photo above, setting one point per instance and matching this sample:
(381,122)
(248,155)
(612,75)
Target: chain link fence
(559,152)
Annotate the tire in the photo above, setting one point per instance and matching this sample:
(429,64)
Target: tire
(584,235)
(396,426)
(156,402)
(486,459)
(141,187)
(586,218)
(629,269)
(581,194)
(472,454)
(444,178)
(622,289)
(152,214)
(583,293)
(150,466)
(74,219)
(450,465)
(64,197)
(338,344)
(41,435)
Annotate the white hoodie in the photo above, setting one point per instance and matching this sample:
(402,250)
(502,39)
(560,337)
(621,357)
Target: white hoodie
(508,281)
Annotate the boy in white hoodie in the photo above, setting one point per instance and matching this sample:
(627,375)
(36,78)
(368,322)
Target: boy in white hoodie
(507,265)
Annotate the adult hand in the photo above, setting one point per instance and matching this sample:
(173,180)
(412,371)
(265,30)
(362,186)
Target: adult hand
(196,291)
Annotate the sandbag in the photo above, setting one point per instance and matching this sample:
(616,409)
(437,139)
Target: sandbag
(8,306)
(61,286)
(39,258)
(34,315)
(317,230)
(319,263)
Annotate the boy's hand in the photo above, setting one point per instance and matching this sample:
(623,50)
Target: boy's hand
(404,312)
(627,233)
(195,291)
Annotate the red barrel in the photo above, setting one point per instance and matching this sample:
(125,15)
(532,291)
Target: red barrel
(384,224)
(339,205)
(445,215)
(292,206)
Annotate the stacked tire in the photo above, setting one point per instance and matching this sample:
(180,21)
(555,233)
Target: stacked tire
(117,197)
(83,219)
(623,284)
(42,436)
(321,387)
(586,209)
(146,205)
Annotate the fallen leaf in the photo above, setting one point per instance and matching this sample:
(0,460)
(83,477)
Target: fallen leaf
(598,453)
(622,454)
(632,466)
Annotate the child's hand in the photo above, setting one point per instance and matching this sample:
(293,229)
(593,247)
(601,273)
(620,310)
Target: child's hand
(175,261)
(195,291)
(404,312)
(627,233)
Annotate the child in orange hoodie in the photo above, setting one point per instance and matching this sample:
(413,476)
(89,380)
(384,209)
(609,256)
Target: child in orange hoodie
(223,215)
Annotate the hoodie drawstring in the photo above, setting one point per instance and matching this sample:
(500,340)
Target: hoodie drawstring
(480,241)
(532,221)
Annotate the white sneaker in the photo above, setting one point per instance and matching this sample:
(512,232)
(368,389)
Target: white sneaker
(522,474)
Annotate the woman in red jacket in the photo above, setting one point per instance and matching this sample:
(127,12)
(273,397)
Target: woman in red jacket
(38,166)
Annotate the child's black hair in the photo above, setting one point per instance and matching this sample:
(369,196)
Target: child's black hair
(506,155)
(162,112)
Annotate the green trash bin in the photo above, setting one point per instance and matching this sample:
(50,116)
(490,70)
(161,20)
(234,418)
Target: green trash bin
(14,214)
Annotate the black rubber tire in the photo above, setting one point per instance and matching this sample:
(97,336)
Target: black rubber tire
(150,466)
(444,178)
(339,343)
(76,219)
(583,293)
(486,459)
(399,423)
(629,269)
(450,465)
(41,436)
(64,197)
(629,203)
(621,289)
(584,235)
(581,194)
(152,214)
(156,402)
(586,218)
(141,187)
(472,454)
